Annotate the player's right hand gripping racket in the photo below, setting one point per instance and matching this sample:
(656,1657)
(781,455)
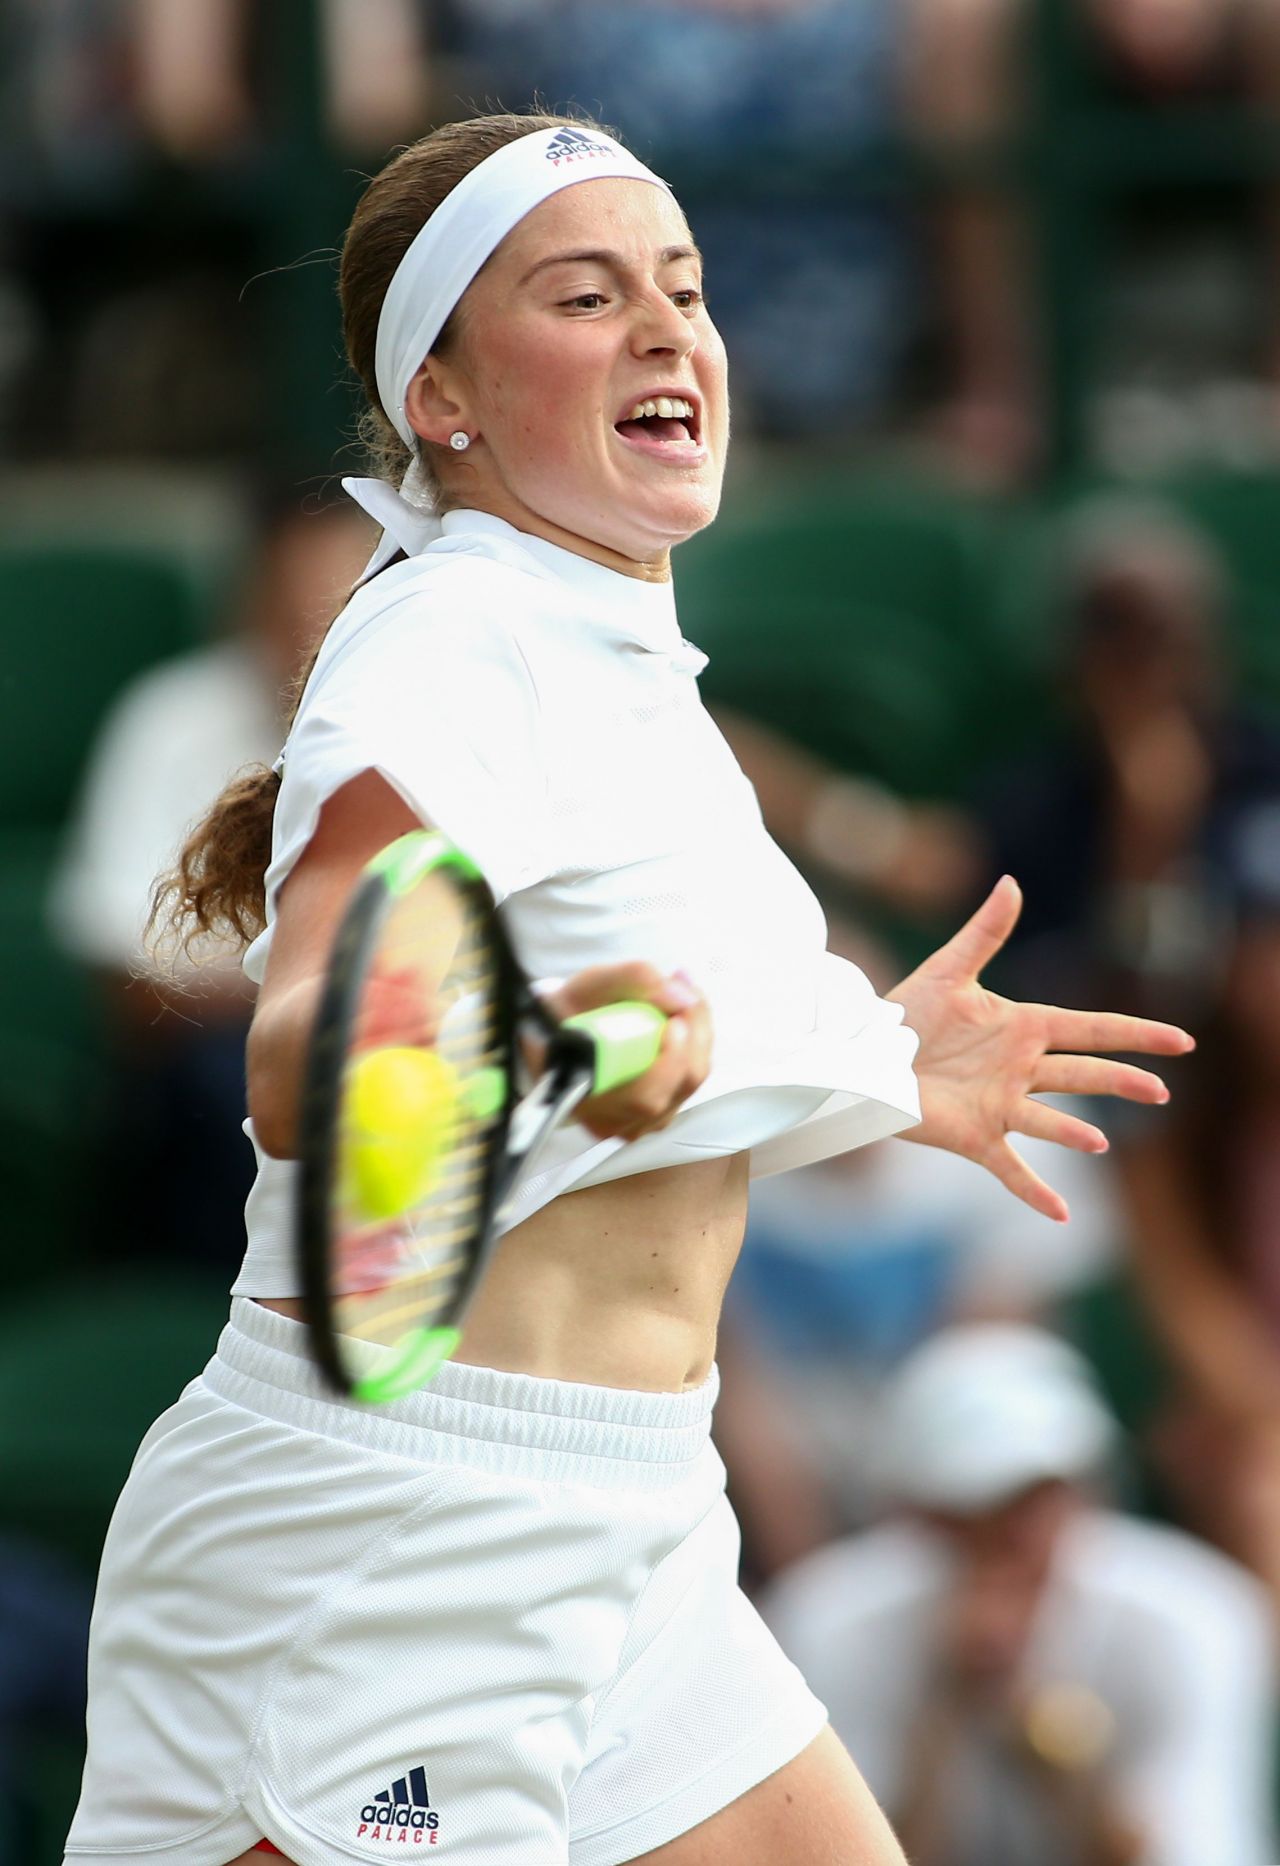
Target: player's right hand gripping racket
(413,1127)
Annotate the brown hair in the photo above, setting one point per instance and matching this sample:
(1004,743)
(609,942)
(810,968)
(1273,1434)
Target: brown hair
(218,884)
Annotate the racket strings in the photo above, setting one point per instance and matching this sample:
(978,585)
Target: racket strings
(393,1275)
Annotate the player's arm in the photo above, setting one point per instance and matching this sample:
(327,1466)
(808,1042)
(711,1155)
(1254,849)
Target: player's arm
(355,823)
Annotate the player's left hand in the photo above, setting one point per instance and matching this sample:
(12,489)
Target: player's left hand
(983,1058)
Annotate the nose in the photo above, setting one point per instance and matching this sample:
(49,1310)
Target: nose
(660,325)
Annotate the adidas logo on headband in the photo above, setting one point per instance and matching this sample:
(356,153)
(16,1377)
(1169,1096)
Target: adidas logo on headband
(574,146)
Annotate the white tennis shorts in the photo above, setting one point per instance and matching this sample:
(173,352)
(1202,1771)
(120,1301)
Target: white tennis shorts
(495,1623)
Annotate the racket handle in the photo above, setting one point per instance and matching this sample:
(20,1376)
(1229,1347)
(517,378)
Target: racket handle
(627,1038)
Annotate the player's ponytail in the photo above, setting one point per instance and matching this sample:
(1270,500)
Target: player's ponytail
(217,886)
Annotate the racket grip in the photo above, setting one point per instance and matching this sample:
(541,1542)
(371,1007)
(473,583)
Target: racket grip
(627,1038)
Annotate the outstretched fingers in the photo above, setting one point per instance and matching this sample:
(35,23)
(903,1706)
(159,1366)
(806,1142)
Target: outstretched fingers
(1040,1122)
(1017,1177)
(1097,1075)
(1112,1030)
(969,951)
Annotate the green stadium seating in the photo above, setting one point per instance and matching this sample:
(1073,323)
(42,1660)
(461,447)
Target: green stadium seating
(77,620)
(51,1075)
(42,1814)
(86,1365)
(909,631)
(43,991)
(1241,513)
(842,611)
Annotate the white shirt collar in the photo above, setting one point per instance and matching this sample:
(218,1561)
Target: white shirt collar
(643,613)
(629,608)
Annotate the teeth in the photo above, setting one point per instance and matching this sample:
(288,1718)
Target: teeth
(668,406)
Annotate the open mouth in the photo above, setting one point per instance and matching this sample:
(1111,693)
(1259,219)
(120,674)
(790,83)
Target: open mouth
(660,422)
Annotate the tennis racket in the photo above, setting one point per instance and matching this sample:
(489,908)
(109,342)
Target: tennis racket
(419,1111)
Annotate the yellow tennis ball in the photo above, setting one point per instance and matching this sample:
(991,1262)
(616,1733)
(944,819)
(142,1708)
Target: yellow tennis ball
(399,1115)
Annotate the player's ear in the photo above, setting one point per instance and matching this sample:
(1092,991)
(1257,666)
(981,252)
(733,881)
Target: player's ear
(432,407)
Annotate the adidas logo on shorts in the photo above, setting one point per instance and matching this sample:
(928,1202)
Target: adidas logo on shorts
(574,146)
(401,1815)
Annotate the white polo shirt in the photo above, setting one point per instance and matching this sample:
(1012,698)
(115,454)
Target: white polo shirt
(543,711)
(1175,1639)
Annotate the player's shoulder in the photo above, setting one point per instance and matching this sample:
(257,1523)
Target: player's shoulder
(458,619)
(461,578)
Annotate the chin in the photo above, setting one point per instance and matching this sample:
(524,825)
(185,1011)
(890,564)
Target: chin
(685,516)
(643,534)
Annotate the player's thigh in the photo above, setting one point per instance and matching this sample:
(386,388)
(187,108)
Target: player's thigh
(816,1811)
(258,1858)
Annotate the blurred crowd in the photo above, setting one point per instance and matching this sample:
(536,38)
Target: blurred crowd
(1010,1491)
(865,176)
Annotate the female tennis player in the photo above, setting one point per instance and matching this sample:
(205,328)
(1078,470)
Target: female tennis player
(500,1617)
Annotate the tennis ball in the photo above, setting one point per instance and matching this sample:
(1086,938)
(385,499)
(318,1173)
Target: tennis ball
(399,1113)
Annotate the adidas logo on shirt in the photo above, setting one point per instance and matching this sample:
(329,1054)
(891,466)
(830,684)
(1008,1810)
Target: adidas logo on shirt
(574,146)
(401,1815)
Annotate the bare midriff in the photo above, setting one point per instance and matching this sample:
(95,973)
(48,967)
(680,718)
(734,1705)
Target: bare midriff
(618,1285)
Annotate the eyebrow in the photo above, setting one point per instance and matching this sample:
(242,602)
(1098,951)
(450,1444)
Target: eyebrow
(602,257)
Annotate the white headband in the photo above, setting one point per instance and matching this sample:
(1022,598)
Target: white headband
(447,253)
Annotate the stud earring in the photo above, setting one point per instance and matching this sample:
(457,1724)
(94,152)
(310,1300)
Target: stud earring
(459,440)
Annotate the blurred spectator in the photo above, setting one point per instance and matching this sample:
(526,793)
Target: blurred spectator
(1119,831)
(165,750)
(918,859)
(753,108)
(742,105)
(202,69)
(970,88)
(1204,1198)
(1149,854)
(1025,1676)
(66,81)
